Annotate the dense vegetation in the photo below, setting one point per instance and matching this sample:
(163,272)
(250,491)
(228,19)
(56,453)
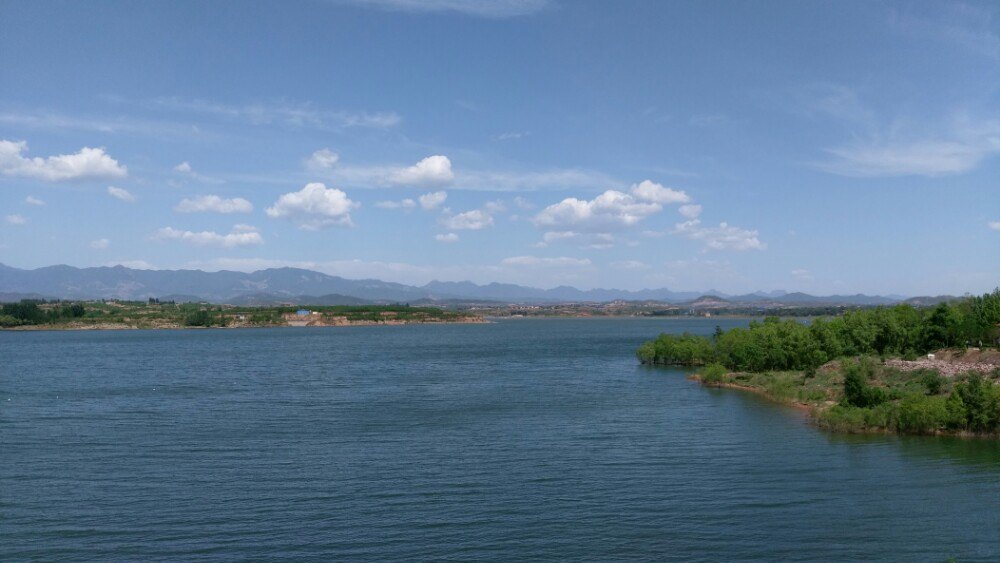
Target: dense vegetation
(30,312)
(781,359)
(864,396)
(922,402)
(156,314)
(776,344)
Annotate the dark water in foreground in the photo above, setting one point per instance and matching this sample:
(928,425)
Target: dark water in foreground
(521,439)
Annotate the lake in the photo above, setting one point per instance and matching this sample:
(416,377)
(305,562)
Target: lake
(521,439)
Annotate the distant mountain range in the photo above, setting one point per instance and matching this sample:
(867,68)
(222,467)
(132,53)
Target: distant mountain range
(294,285)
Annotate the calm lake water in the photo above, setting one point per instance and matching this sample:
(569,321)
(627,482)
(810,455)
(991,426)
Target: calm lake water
(514,440)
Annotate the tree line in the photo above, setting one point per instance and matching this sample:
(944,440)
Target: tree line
(29,312)
(774,344)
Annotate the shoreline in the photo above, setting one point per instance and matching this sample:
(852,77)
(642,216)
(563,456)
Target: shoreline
(814,411)
(123,327)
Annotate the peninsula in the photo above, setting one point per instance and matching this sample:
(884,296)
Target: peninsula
(899,369)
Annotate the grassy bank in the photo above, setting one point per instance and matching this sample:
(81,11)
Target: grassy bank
(865,396)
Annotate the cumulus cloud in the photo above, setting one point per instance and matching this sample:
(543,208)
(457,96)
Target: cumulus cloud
(214,204)
(536,261)
(184,168)
(650,191)
(315,207)
(723,237)
(15,219)
(432,200)
(450,237)
(612,210)
(995,225)
(88,164)
(691,211)
(30,200)
(402,204)
(323,159)
(121,193)
(100,244)
(241,235)
(433,170)
(468,221)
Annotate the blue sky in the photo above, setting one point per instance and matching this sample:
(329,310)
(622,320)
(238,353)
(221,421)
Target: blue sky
(833,147)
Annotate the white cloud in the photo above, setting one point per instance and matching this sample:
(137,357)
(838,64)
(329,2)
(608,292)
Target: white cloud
(432,200)
(535,261)
(121,193)
(723,237)
(433,170)
(919,158)
(691,211)
(100,244)
(468,221)
(88,164)
(15,219)
(241,235)
(214,204)
(30,200)
(650,191)
(49,121)
(911,146)
(995,225)
(184,168)
(323,159)
(495,206)
(596,241)
(478,8)
(612,210)
(450,237)
(522,203)
(314,207)
(403,204)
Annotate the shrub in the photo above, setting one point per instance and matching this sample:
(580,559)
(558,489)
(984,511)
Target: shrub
(841,418)
(982,403)
(857,392)
(198,318)
(713,373)
(919,414)
(933,382)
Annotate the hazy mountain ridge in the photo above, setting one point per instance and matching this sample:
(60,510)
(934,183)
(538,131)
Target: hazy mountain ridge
(294,284)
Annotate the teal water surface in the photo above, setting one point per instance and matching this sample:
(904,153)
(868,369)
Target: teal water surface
(521,439)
